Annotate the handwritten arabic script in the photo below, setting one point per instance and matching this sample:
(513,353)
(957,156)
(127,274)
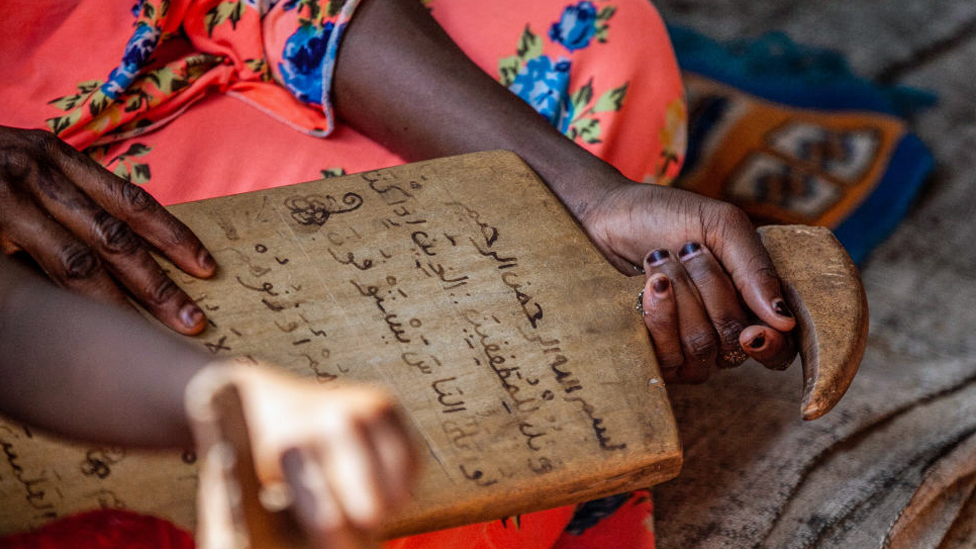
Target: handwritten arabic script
(402,282)
(440,291)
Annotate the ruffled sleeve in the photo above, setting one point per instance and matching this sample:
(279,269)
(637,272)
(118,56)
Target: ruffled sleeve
(276,55)
(291,44)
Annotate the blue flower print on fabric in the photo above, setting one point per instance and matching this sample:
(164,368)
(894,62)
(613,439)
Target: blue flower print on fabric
(138,50)
(576,27)
(141,45)
(545,85)
(301,69)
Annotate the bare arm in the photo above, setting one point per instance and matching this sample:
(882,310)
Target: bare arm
(92,372)
(87,370)
(402,81)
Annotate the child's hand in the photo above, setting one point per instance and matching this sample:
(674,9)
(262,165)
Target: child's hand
(341,454)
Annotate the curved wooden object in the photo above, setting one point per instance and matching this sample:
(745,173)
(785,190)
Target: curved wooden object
(824,289)
(528,378)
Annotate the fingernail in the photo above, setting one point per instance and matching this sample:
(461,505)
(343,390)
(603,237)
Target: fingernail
(661,285)
(302,497)
(758,341)
(782,309)
(688,250)
(191,315)
(292,463)
(206,260)
(657,257)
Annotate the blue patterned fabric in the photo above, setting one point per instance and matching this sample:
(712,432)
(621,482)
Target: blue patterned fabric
(775,68)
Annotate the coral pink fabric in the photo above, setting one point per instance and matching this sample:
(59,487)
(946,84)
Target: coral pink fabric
(232,128)
(623,521)
(103,529)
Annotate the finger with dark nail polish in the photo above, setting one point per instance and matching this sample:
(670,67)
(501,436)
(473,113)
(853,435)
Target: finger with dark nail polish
(661,320)
(689,250)
(206,261)
(686,336)
(657,257)
(192,316)
(773,349)
(720,299)
(660,285)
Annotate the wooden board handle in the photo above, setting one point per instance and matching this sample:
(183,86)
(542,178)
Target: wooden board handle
(824,289)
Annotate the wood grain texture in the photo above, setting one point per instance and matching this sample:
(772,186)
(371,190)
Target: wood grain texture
(824,290)
(461,283)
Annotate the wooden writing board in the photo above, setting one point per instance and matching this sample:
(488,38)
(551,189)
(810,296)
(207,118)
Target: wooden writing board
(464,285)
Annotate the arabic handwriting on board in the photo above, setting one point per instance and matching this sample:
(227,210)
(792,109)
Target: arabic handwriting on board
(384,255)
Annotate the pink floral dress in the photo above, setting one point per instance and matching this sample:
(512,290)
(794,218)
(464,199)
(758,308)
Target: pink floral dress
(196,99)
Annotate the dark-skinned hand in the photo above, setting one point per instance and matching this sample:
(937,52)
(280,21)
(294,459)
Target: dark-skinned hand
(700,256)
(626,220)
(91,231)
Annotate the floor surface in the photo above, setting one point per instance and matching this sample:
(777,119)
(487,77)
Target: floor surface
(755,475)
